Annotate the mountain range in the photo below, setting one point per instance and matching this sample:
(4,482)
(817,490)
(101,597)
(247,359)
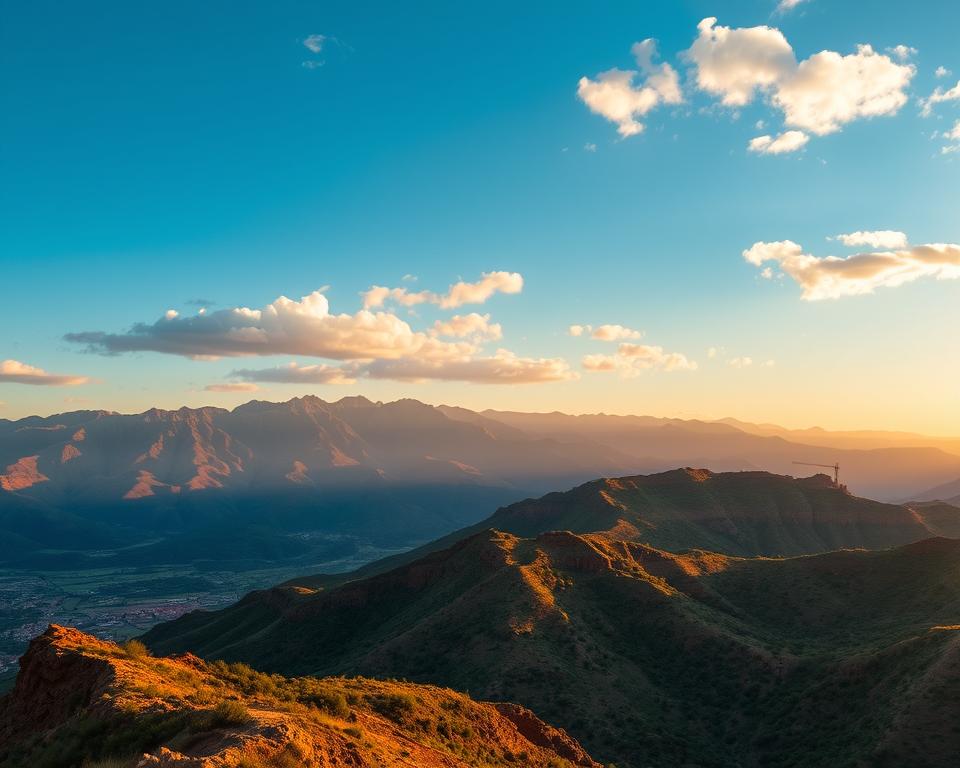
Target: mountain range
(574,606)
(342,475)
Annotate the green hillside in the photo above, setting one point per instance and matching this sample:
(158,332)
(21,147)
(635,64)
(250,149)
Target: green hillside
(649,658)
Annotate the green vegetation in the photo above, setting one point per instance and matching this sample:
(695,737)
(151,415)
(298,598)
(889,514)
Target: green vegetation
(649,658)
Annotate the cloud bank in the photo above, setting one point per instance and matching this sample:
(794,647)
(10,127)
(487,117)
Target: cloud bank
(632,359)
(371,344)
(15,372)
(833,277)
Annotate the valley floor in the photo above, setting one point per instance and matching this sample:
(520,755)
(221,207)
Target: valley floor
(117,603)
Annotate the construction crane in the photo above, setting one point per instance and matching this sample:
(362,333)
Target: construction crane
(834,467)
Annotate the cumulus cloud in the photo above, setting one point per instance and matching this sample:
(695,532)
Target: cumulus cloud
(632,359)
(879,238)
(373,344)
(734,63)
(829,90)
(937,97)
(788,141)
(236,386)
(625,96)
(504,367)
(15,372)
(832,277)
(472,325)
(457,294)
(818,95)
(942,71)
(285,326)
(740,362)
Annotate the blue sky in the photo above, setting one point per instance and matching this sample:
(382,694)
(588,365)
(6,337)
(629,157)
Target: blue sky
(151,155)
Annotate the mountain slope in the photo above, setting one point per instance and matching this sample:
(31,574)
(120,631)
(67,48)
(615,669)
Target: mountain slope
(949,492)
(649,658)
(739,513)
(735,513)
(384,474)
(78,699)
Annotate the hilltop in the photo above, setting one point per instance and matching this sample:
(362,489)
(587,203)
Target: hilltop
(649,658)
(734,513)
(79,700)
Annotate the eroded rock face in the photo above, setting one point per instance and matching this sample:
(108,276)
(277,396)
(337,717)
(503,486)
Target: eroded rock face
(81,696)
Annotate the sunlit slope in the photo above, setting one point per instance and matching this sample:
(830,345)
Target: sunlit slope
(79,700)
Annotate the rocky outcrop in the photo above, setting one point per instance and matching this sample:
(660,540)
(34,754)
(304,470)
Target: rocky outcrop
(83,699)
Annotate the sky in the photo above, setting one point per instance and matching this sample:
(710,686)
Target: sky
(686,208)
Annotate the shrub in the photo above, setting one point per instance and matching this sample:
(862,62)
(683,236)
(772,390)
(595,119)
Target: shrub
(331,702)
(134,649)
(393,705)
(225,714)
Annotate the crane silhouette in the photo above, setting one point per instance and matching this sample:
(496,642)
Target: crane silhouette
(834,467)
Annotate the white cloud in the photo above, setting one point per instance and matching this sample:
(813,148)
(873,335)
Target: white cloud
(286,326)
(615,95)
(314,43)
(819,94)
(613,332)
(734,63)
(605,332)
(590,147)
(788,5)
(504,367)
(880,238)
(472,325)
(373,344)
(236,386)
(457,294)
(952,135)
(740,362)
(294,373)
(632,359)
(829,90)
(788,141)
(832,277)
(15,372)
(902,52)
(942,71)
(938,97)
